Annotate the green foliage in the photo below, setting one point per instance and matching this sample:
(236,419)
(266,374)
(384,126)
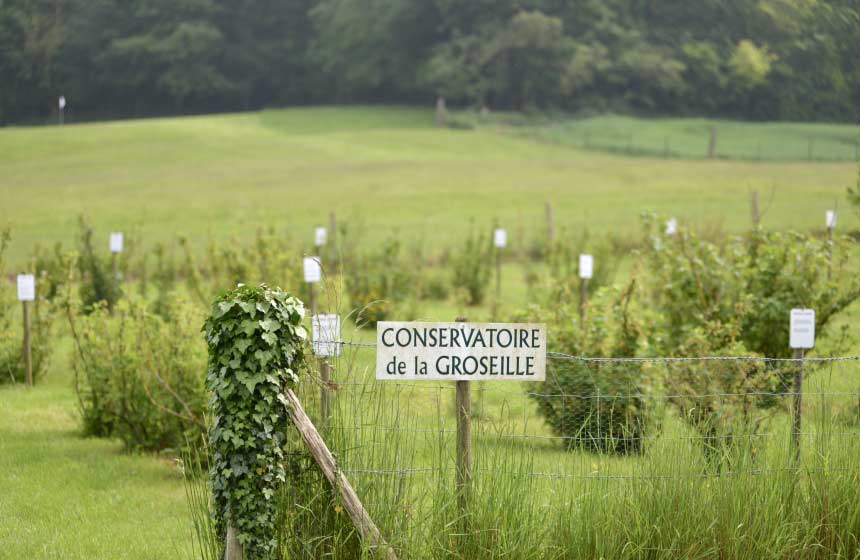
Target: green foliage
(156,56)
(12,366)
(593,405)
(381,283)
(743,290)
(138,376)
(256,349)
(562,259)
(854,194)
(97,281)
(471,266)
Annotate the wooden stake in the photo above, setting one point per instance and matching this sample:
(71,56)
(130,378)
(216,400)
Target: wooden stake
(583,294)
(464,447)
(712,143)
(324,459)
(498,275)
(233,548)
(798,402)
(27,350)
(325,394)
(754,212)
(550,229)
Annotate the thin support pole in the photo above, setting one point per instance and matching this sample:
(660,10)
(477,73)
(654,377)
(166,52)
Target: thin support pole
(464,447)
(797,406)
(27,350)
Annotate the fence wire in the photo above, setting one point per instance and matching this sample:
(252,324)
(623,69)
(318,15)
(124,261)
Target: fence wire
(602,419)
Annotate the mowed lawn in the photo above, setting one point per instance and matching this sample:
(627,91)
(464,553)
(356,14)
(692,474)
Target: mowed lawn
(386,168)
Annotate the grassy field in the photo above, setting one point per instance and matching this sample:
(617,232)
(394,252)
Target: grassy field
(63,496)
(690,138)
(386,168)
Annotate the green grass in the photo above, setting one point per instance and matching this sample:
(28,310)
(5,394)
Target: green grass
(388,169)
(690,138)
(63,496)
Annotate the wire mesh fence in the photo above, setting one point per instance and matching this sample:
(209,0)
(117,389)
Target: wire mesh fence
(664,453)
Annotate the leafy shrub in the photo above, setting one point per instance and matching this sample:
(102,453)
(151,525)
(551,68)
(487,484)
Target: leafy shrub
(12,365)
(562,259)
(735,299)
(434,286)
(472,266)
(595,405)
(139,376)
(380,283)
(97,281)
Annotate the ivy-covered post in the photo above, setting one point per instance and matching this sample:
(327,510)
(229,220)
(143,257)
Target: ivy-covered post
(256,340)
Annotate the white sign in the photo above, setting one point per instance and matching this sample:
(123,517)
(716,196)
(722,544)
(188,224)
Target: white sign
(320,236)
(586,266)
(325,334)
(62,102)
(116,242)
(802,328)
(26,287)
(830,219)
(312,268)
(461,351)
(671,226)
(500,238)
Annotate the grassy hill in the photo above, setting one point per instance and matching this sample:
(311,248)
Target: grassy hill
(386,167)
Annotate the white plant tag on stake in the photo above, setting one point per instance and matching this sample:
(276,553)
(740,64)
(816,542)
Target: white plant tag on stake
(325,334)
(26,287)
(586,266)
(116,242)
(802,329)
(500,238)
(830,219)
(671,226)
(320,236)
(312,269)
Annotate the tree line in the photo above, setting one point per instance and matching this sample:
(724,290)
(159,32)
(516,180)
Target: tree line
(752,59)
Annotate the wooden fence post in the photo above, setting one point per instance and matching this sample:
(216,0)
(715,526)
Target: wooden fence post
(464,447)
(796,424)
(583,294)
(27,348)
(325,460)
(712,143)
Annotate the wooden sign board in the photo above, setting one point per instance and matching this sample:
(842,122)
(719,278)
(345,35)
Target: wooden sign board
(26,287)
(461,351)
(802,334)
(325,334)
(312,269)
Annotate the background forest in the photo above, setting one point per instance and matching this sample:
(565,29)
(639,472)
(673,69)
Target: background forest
(749,59)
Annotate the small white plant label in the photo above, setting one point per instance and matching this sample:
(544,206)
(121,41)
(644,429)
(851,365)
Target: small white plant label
(26,287)
(62,102)
(320,236)
(500,238)
(830,219)
(116,242)
(461,351)
(325,334)
(312,269)
(586,266)
(671,226)
(802,328)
